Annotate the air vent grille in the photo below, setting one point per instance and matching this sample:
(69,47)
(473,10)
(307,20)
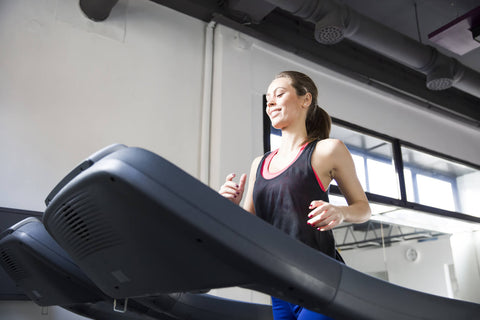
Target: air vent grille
(439,84)
(81,228)
(11,265)
(329,35)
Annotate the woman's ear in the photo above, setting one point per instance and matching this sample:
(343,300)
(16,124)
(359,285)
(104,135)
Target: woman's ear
(307,100)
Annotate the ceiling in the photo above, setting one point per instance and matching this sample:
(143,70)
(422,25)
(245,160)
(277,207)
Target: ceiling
(385,43)
(418,18)
(400,15)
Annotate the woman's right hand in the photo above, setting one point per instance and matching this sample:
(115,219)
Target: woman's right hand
(231,190)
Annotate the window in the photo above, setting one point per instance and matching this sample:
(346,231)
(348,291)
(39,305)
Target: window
(440,183)
(432,184)
(373,159)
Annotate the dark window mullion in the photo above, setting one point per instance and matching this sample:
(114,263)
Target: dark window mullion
(398,163)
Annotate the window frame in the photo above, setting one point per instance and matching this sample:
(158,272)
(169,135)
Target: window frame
(367,156)
(397,145)
(415,171)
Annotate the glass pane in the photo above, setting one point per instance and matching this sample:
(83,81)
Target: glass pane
(373,159)
(468,186)
(435,192)
(409,184)
(359,162)
(441,183)
(378,173)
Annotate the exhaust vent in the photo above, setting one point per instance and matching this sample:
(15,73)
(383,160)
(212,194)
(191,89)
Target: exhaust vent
(11,265)
(441,77)
(329,34)
(331,29)
(78,225)
(439,83)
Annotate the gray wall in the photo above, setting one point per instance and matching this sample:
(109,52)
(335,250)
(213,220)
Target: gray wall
(69,86)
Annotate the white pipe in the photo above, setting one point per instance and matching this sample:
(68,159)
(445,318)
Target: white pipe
(206,111)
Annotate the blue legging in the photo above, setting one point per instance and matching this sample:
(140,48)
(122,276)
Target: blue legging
(283,310)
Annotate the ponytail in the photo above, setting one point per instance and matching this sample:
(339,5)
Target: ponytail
(318,123)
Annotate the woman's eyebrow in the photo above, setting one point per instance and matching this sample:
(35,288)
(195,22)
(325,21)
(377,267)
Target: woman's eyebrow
(274,90)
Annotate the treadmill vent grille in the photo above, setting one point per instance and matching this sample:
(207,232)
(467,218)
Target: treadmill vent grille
(80,227)
(12,266)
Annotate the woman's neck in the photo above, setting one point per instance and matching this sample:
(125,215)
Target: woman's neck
(290,143)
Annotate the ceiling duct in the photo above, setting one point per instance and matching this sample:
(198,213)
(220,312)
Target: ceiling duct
(442,75)
(97,10)
(334,22)
(331,28)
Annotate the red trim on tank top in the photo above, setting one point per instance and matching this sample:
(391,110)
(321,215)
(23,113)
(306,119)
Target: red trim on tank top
(266,174)
(318,180)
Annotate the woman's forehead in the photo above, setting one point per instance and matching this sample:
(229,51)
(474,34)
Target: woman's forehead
(279,83)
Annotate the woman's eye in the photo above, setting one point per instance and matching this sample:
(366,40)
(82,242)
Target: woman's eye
(280,94)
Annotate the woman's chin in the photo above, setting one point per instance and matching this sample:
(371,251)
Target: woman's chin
(276,124)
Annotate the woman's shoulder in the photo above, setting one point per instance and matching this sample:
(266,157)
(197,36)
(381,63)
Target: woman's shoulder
(329,146)
(332,151)
(256,161)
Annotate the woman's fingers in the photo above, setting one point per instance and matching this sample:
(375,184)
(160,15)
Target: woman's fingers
(231,190)
(230,177)
(242,182)
(318,204)
(324,215)
(231,185)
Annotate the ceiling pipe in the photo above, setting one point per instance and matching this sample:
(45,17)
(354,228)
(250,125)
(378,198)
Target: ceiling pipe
(334,22)
(97,10)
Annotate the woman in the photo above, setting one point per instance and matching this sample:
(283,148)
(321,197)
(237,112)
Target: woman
(287,186)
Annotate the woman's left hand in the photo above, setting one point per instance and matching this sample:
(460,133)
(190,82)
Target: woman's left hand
(324,216)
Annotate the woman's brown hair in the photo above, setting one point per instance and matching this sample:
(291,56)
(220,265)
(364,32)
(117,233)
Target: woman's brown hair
(318,121)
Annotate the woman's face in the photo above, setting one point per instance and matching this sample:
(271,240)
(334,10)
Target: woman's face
(284,106)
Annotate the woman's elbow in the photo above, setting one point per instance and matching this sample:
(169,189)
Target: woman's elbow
(367,212)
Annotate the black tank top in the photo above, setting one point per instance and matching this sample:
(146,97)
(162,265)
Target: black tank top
(284,201)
